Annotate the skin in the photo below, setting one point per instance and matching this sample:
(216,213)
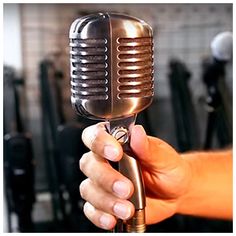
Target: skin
(198,184)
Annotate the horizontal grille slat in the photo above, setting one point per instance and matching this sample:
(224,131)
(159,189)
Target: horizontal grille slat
(88,90)
(145,93)
(124,80)
(135,63)
(88,82)
(135,48)
(89,68)
(90,74)
(134,56)
(141,86)
(88,51)
(75,42)
(138,64)
(135,40)
(88,58)
(136,72)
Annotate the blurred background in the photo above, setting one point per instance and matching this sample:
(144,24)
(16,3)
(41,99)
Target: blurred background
(192,107)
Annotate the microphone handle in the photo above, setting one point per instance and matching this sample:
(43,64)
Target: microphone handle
(129,167)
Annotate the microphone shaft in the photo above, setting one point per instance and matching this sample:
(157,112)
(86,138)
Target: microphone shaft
(129,167)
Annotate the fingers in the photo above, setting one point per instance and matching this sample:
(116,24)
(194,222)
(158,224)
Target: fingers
(106,190)
(99,218)
(156,209)
(100,142)
(99,171)
(104,204)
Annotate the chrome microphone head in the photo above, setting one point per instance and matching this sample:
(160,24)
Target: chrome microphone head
(111,57)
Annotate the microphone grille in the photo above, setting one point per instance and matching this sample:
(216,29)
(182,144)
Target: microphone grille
(89,73)
(135,67)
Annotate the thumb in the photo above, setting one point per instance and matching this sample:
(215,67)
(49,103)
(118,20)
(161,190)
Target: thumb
(139,142)
(151,151)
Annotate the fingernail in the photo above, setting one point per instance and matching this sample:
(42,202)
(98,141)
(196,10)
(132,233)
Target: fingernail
(121,189)
(121,211)
(111,152)
(89,208)
(105,221)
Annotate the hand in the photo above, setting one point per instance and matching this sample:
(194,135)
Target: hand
(166,176)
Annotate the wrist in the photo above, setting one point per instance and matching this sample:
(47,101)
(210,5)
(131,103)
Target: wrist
(209,193)
(185,199)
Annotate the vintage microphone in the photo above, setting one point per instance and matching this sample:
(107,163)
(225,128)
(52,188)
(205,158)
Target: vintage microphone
(111,57)
(217,102)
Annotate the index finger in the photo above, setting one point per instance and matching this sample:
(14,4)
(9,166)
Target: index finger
(96,138)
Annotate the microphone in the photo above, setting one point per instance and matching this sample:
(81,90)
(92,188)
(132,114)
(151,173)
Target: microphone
(214,67)
(222,46)
(111,59)
(218,98)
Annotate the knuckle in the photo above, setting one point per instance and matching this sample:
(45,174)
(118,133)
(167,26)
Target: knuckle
(108,205)
(105,178)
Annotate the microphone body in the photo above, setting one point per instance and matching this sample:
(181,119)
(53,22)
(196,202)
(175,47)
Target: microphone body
(111,57)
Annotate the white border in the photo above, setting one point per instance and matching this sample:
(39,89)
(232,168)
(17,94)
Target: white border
(89,1)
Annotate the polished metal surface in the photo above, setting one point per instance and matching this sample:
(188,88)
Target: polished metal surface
(111,65)
(121,134)
(131,169)
(137,223)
